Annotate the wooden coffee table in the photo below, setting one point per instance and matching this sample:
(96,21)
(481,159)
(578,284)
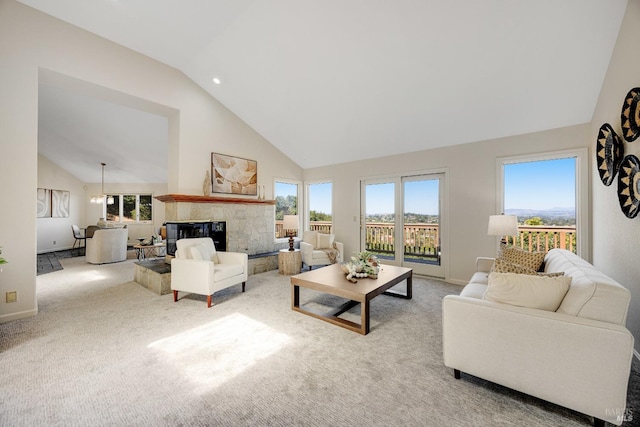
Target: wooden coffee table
(331,280)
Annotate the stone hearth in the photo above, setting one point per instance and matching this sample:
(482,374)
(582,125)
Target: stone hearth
(250,224)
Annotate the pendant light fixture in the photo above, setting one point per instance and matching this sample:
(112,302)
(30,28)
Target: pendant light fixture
(101,198)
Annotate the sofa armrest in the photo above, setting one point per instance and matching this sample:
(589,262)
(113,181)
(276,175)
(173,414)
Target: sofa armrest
(192,275)
(307,252)
(578,363)
(484,264)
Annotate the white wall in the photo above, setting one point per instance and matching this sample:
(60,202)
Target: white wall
(471,178)
(55,234)
(616,238)
(33,45)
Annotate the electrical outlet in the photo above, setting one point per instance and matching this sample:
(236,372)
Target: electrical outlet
(12,296)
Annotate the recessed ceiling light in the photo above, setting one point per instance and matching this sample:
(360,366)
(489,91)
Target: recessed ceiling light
(216,80)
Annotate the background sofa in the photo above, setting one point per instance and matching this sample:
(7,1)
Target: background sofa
(107,245)
(578,356)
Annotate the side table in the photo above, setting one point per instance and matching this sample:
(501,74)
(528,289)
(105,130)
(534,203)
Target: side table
(150,251)
(289,262)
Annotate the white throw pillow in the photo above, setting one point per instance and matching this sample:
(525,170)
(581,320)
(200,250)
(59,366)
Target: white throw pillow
(213,256)
(199,252)
(325,241)
(524,290)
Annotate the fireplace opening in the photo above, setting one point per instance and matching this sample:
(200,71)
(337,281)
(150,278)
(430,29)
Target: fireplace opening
(216,230)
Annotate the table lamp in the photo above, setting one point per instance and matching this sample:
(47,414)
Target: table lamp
(503,225)
(290,224)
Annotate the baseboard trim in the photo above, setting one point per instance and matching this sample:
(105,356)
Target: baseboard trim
(19,315)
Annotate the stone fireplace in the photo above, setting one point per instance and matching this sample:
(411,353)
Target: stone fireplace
(250,224)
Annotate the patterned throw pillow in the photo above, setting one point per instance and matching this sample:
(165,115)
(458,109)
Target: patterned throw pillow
(515,255)
(501,266)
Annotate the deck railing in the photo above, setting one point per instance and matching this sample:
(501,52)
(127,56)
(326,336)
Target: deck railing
(535,238)
(424,239)
(321,226)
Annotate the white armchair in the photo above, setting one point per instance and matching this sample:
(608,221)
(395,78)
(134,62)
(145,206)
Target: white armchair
(319,249)
(107,245)
(198,268)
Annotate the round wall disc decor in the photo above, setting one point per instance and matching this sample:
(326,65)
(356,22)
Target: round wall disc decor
(609,153)
(628,191)
(630,116)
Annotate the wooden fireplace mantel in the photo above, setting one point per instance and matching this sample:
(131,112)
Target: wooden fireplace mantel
(191,198)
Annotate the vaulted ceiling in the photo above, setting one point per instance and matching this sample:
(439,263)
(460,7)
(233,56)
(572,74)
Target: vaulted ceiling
(370,78)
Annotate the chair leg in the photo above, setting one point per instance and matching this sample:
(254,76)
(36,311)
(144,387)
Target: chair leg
(243,285)
(456,374)
(208,301)
(175,296)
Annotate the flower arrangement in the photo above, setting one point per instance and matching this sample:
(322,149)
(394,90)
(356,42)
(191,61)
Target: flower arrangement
(362,264)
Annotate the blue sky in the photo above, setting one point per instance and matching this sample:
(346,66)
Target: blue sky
(420,197)
(530,185)
(320,197)
(540,185)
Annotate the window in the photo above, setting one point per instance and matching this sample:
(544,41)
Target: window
(286,193)
(129,208)
(548,193)
(319,206)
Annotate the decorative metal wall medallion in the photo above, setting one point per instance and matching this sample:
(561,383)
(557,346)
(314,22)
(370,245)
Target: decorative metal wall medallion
(609,153)
(630,116)
(628,186)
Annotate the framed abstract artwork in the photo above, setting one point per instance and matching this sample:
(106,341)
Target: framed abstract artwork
(43,198)
(60,204)
(234,175)
(52,203)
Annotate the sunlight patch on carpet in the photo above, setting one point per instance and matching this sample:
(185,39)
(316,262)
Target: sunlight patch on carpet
(212,354)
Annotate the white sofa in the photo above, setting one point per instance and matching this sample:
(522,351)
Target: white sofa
(314,247)
(198,268)
(578,356)
(107,245)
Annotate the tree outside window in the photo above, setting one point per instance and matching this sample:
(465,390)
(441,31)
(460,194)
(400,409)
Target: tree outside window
(286,203)
(130,208)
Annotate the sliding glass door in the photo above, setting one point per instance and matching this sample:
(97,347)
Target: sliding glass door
(402,221)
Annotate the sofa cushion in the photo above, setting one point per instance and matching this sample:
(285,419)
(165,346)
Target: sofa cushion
(224,271)
(515,255)
(325,241)
(481,277)
(524,290)
(319,254)
(474,290)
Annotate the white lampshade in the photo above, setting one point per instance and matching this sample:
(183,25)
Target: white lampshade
(503,225)
(290,222)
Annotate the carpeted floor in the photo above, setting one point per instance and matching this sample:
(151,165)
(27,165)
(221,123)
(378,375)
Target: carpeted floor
(104,351)
(50,261)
